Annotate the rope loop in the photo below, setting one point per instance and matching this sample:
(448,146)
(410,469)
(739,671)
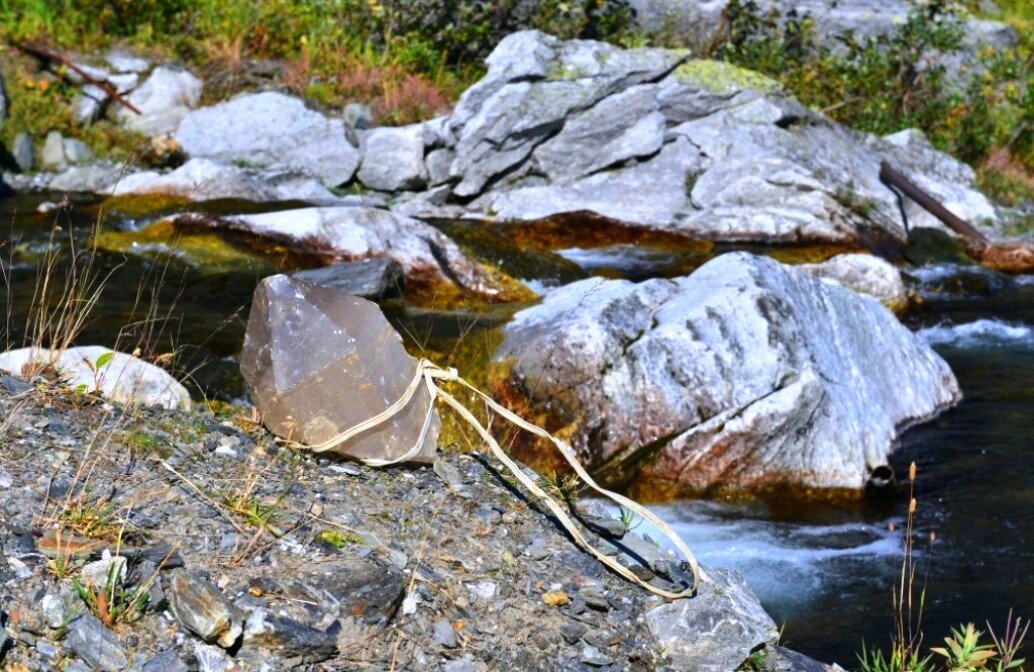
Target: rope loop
(430,373)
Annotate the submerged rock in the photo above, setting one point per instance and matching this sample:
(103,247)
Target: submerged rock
(306,345)
(120,377)
(271,130)
(744,374)
(432,263)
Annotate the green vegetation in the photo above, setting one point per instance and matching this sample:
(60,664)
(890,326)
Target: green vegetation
(338,539)
(880,85)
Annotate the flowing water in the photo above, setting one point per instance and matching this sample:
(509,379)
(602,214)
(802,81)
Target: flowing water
(825,571)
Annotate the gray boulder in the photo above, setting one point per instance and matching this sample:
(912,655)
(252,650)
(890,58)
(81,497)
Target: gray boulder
(270,130)
(393,159)
(534,82)
(164,99)
(746,373)
(716,630)
(52,154)
(205,179)
(700,148)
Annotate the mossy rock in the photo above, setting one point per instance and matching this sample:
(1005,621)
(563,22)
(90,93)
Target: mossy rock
(164,241)
(723,78)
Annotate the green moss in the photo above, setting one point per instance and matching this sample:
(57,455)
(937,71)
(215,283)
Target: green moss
(723,78)
(338,539)
(164,242)
(141,441)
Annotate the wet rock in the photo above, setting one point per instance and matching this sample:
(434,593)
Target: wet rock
(96,645)
(290,639)
(304,344)
(164,99)
(205,179)
(750,373)
(427,256)
(120,377)
(865,274)
(717,629)
(375,279)
(393,158)
(23,152)
(202,609)
(271,130)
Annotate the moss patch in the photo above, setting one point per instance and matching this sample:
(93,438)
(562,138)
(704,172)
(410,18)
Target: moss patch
(723,78)
(164,241)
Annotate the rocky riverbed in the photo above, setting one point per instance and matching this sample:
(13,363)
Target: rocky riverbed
(143,539)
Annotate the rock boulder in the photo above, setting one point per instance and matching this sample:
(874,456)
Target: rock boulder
(746,373)
(270,130)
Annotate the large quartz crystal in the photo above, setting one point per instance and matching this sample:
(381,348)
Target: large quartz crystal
(320,361)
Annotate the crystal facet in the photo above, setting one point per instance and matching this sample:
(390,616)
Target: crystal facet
(320,361)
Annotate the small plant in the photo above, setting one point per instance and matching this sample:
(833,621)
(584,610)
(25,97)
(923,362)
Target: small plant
(564,487)
(963,650)
(755,662)
(113,604)
(1009,644)
(873,660)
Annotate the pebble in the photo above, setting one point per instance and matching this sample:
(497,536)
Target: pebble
(593,656)
(445,634)
(95,645)
(572,632)
(202,609)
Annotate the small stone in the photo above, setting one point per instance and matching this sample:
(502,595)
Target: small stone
(48,650)
(211,658)
(593,656)
(594,599)
(124,61)
(76,151)
(6,480)
(538,549)
(55,611)
(165,662)
(556,598)
(483,590)
(462,665)
(289,638)
(96,645)
(77,666)
(375,279)
(52,154)
(572,632)
(100,573)
(445,634)
(202,609)
(449,474)
(23,152)
(358,116)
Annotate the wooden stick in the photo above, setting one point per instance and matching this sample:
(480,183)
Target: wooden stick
(897,179)
(48,55)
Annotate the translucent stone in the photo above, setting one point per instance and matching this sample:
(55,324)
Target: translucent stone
(320,361)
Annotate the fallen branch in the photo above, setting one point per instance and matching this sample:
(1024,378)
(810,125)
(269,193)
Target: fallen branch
(48,55)
(897,180)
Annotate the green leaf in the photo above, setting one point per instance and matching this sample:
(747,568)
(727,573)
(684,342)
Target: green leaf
(104,359)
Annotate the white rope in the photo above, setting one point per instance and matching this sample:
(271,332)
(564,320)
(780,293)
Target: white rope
(429,373)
